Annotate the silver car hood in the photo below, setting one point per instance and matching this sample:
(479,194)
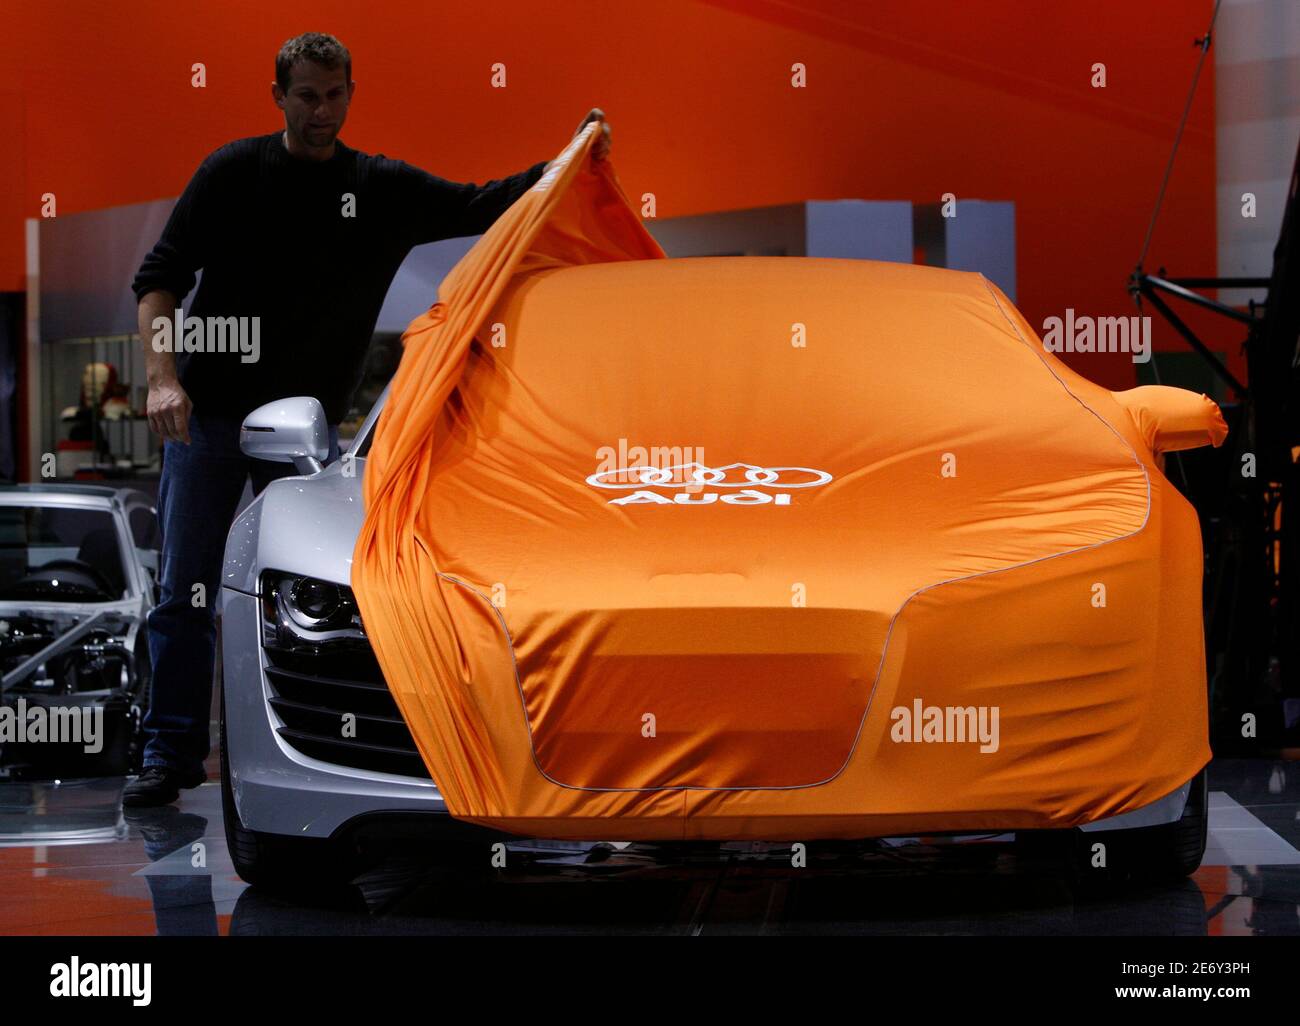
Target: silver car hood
(305,525)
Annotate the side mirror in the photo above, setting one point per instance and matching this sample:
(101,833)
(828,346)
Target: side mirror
(287,431)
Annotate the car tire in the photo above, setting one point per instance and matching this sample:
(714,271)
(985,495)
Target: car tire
(1162,853)
(1170,851)
(293,866)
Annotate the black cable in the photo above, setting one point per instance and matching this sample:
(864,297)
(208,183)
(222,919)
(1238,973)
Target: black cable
(1204,43)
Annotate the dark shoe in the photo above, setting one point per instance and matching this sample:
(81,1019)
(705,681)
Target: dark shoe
(159,785)
(165,828)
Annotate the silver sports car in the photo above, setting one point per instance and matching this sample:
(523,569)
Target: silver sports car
(316,758)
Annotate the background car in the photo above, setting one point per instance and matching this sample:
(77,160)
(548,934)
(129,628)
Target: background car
(78,569)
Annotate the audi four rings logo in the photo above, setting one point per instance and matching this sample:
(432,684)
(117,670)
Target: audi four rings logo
(744,481)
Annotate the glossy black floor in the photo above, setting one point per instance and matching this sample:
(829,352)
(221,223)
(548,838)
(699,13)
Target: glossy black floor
(72,863)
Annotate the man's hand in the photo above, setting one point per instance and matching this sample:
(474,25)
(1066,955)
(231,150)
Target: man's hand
(168,405)
(169,411)
(600,150)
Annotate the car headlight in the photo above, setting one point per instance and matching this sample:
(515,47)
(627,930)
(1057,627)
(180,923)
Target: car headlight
(299,610)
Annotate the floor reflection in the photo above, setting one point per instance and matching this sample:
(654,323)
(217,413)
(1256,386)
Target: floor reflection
(72,863)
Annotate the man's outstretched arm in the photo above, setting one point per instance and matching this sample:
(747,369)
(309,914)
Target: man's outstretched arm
(441,209)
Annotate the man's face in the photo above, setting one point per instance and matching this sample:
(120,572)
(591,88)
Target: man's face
(315,105)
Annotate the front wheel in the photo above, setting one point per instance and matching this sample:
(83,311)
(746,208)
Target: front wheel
(1169,851)
(276,863)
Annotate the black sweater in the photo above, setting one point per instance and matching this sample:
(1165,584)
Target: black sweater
(270,233)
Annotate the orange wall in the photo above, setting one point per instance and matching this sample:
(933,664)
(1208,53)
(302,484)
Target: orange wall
(905,100)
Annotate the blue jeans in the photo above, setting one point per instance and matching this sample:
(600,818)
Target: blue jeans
(197,497)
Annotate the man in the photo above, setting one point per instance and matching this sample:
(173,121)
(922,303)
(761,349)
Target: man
(298,237)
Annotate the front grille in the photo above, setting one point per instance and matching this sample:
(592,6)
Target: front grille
(312,705)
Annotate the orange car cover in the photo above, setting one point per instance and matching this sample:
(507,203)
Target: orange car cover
(770,547)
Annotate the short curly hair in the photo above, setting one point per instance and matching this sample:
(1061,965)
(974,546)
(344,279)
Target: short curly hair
(317,47)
